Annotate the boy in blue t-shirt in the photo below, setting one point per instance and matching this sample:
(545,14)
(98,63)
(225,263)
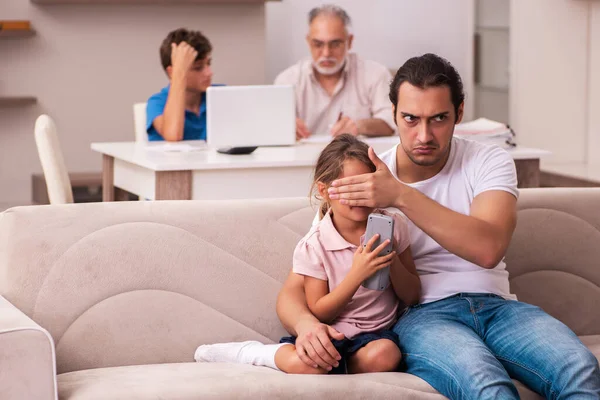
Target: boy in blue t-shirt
(178,111)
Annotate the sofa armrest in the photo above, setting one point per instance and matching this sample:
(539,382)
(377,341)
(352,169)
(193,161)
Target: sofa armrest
(27,358)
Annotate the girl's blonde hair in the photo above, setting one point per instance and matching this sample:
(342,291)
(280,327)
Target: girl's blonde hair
(330,164)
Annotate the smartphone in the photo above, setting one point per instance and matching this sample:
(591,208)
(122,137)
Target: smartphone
(384,226)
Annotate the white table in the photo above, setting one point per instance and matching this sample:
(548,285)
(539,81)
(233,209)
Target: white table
(269,172)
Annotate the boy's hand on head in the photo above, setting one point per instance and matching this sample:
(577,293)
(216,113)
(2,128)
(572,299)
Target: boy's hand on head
(377,190)
(367,261)
(182,57)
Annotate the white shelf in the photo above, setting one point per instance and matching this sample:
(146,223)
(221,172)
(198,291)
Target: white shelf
(16,33)
(16,101)
(151,1)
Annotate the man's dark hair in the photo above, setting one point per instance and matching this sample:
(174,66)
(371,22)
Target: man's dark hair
(194,38)
(429,70)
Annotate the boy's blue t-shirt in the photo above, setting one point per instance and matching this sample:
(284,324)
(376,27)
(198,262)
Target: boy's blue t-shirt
(195,124)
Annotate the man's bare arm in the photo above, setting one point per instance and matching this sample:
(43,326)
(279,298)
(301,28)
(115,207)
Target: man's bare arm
(170,124)
(291,304)
(481,237)
(313,339)
(374,127)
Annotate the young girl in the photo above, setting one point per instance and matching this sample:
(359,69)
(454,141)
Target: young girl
(334,263)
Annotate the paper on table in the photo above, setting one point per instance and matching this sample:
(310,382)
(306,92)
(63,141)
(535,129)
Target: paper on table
(176,147)
(481,126)
(486,131)
(317,139)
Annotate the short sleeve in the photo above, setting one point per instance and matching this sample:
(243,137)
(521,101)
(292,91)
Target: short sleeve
(288,76)
(281,79)
(154,108)
(494,169)
(401,233)
(306,261)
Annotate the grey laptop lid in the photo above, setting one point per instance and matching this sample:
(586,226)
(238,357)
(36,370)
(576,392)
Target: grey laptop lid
(239,116)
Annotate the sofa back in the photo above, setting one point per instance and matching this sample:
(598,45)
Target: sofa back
(146,282)
(554,255)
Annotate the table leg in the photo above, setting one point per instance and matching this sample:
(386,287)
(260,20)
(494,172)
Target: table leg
(528,173)
(108,178)
(173,185)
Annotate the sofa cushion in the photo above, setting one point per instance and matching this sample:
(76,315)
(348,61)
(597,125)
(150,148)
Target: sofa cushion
(185,381)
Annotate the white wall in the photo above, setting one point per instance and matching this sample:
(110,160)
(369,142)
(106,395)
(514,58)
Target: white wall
(594,85)
(492,24)
(388,31)
(493,13)
(89,63)
(549,76)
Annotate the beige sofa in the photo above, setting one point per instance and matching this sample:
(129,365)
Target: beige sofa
(109,301)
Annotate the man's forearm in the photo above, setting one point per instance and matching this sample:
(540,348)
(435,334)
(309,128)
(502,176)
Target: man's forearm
(406,285)
(174,113)
(373,127)
(466,236)
(291,306)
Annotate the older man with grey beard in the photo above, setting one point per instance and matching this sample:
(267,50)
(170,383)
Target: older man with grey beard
(337,91)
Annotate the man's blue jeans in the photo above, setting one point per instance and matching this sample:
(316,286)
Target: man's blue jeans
(468,346)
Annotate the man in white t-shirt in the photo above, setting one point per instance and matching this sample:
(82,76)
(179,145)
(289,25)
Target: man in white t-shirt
(468,336)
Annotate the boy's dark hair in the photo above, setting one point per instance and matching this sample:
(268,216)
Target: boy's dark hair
(194,38)
(429,70)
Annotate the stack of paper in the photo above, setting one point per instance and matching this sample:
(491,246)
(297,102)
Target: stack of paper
(486,131)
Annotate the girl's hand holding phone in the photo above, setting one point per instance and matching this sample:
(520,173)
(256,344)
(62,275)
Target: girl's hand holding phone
(367,261)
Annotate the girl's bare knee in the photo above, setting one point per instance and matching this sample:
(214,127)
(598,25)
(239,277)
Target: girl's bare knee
(382,356)
(297,366)
(289,362)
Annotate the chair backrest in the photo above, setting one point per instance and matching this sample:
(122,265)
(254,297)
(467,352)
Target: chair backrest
(139,120)
(53,162)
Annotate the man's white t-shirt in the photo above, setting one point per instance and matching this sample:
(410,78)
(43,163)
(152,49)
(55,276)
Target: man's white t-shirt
(472,168)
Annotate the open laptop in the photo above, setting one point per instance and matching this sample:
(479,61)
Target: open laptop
(240,118)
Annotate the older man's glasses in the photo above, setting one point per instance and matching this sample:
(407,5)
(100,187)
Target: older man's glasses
(332,45)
